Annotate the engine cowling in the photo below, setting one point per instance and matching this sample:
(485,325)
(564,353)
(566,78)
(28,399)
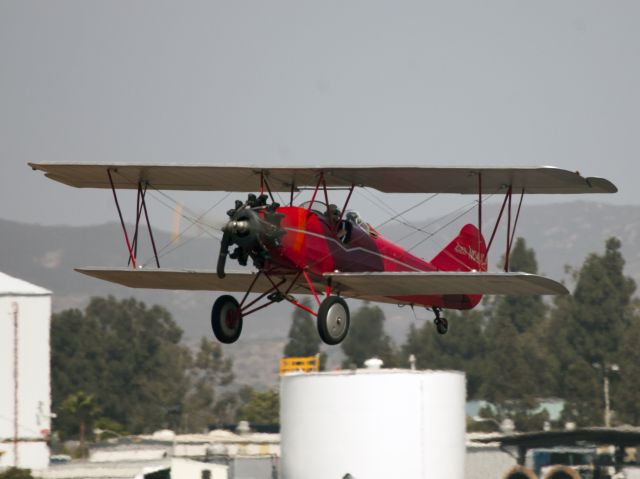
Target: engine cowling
(254,228)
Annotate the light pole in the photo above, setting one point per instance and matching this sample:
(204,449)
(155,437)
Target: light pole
(606,368)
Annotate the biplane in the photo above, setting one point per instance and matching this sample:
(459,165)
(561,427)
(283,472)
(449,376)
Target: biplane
(324,250)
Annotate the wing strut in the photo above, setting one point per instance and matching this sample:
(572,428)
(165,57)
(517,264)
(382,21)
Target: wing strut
(141,206)
(124,229)
(511,231)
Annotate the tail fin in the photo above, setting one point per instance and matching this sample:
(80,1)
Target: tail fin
(467,252)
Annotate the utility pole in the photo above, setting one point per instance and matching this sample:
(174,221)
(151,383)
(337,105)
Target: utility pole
(607,408)
(16,435)
(606,368)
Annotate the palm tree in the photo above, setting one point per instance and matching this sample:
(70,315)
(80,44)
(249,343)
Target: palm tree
(83,407)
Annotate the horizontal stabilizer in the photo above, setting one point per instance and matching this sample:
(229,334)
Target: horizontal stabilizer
(441,283)
(388,179)
(191,280)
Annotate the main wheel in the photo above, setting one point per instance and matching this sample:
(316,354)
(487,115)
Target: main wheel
(333,320)
(442,325)
(226,319)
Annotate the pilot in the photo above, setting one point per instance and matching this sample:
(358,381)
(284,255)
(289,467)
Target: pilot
(355,218)
(333,213)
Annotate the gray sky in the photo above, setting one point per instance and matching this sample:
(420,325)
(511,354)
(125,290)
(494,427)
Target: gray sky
(298,82)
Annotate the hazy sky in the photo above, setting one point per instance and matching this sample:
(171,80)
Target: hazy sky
(298,82)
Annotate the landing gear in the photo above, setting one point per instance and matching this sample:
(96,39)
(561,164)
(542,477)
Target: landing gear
(442,325)
(333,320)
(226,319)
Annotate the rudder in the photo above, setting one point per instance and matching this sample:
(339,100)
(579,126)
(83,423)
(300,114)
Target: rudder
(467,252)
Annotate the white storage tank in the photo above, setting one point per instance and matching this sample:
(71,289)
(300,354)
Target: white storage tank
(25,395)
(373,423)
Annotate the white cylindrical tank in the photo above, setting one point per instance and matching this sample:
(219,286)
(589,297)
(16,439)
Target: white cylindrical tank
(25,393)
(376,423)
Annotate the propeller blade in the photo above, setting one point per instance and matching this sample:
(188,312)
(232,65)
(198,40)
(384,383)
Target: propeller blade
(222,257)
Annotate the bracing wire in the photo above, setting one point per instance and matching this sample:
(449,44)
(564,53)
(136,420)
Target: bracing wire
(416,229)
(401,214)
(430,235)
(193,218)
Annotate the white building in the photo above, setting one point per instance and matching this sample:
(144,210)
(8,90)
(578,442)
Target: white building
(25,392)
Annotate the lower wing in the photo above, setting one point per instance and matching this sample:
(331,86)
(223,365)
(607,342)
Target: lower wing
(443,283)
(347,284)
(190,280)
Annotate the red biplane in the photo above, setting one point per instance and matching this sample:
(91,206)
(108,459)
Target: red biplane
(320,249)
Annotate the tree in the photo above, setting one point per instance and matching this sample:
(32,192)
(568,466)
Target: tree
(582,393)
(303,335)
(304,340)
(516,370)
(16,473)
(262,408)
(522,311)
(589,328)
(82,408)
(367,339)
(625,392)
(127,356)
(599,315)
(462,348)
(208,371)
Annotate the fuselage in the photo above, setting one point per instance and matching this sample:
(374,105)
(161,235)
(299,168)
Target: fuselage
(321,244)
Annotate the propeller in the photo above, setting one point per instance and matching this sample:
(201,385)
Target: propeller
(222,256)
(252,233)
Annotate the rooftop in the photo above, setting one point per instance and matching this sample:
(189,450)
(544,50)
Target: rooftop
(10,286)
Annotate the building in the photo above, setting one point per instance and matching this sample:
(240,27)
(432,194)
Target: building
(25,392)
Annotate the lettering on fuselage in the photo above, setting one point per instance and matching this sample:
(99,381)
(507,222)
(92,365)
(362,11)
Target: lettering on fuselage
(475,256)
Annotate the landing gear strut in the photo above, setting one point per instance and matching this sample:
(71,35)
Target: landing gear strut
(442,325)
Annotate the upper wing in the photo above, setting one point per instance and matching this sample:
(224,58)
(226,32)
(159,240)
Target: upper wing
(191,280)
(388,179)
(442,283)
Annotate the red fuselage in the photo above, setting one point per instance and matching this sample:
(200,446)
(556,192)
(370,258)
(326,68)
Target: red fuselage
(315,242)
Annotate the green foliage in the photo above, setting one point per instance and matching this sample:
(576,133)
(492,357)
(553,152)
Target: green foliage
(367,339)
(208,371)
(461,348)
(127,356)
(303,335)
(523,312)
(599,314)
(15,473)
(262,408)
(625,391)
(516,369)
(519,349)
(590,328)
(228,407)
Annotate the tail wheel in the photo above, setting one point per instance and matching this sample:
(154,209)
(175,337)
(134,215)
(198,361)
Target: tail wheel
(333,320)
(226,319)
(442,325)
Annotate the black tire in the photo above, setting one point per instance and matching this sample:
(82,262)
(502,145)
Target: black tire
(442,325)
(333,320)
(226,319)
